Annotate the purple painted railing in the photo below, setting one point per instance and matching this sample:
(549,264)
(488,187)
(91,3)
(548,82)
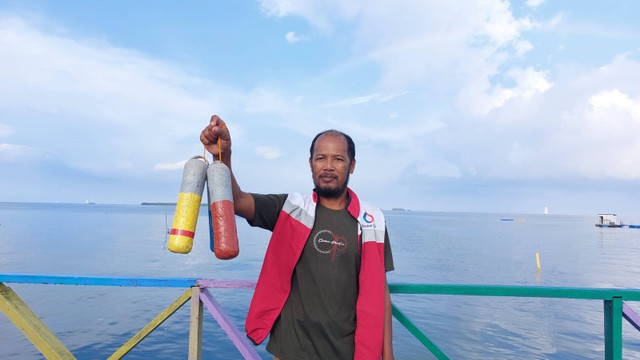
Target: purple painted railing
(226,323)
(632,317)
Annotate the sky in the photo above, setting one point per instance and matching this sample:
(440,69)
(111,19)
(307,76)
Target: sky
(467,106)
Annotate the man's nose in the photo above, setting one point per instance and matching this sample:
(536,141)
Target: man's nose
(329,165)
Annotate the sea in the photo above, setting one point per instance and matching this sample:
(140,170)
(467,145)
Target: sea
(428,248)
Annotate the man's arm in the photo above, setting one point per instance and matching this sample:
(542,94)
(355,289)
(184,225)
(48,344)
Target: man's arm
(387,344)
(217,140)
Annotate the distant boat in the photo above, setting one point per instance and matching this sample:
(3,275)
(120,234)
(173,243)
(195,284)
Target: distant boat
(512,219)
(609,220)
(546,210)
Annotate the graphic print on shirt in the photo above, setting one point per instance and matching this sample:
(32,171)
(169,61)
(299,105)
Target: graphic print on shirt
(368,218)
(326,242)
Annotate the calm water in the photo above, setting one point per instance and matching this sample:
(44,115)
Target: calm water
(428,247)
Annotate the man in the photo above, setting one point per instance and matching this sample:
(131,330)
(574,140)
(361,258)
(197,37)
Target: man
(322,291)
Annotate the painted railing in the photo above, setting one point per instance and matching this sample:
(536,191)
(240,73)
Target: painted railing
(198,292)
(614,307)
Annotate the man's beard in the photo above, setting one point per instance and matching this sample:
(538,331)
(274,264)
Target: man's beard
(332,193)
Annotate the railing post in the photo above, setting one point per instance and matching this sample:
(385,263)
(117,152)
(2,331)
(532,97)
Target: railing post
(195,325)
(613,329)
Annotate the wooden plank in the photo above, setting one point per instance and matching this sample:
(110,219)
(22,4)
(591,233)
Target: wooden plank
(31,326)
(97,280)
(195,325)
(152,325)
(239,339)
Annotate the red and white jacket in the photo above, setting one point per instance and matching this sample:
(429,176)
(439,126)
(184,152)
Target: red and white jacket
(290,234)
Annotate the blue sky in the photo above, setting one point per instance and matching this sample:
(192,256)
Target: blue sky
(488,106)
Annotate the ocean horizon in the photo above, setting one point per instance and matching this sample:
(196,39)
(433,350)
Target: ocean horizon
(120,240)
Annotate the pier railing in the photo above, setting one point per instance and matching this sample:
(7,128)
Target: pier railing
(198,292)
(614,307)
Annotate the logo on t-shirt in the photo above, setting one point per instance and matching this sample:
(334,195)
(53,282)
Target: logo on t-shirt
(368,218)
(326,242)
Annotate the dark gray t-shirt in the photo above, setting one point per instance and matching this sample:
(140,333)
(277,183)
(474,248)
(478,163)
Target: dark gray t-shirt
(318,320)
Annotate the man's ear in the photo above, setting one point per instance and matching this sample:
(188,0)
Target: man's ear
(352,166)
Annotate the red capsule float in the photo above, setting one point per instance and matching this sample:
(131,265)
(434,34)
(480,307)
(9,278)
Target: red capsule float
(188,206)
(223,218)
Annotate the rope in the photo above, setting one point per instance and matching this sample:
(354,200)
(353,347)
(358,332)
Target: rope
(224,126)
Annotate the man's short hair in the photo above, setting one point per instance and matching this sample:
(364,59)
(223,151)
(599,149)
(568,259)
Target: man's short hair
(351,146)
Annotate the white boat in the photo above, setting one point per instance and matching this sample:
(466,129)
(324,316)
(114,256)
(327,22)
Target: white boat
(609,220)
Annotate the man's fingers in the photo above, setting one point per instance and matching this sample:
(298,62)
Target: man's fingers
(213,133)
(203,137)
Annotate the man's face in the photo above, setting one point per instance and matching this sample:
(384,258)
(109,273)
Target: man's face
(331,166)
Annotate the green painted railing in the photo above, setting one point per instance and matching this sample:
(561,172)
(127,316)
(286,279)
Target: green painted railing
(614,308)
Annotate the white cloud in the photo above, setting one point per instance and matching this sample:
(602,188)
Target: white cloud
(557,19)
(572,128)
(479,98)
(420,41)
(529,82)
(377,97)
(448,89)
(178,165)
(12,152)
(116,101)
(267,100)
(615,99)
(292,38)
(522,47)
(6,130)
(500,25)
(534,3)
(268,152)
(319,13)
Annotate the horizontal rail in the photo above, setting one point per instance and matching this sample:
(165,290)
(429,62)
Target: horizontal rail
(124,281)
(516,291)
(614,308)
(396,288)
(97,280)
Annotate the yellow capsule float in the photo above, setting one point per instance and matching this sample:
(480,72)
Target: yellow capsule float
(185,218)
